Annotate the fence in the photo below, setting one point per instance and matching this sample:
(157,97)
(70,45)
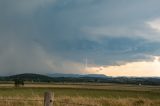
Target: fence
(48,101)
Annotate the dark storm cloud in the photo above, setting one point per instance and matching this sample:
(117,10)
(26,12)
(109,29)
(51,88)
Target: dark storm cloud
(45,36)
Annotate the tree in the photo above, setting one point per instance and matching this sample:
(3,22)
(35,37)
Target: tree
(18,82)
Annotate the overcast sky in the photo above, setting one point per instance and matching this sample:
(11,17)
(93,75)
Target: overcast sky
(112,37)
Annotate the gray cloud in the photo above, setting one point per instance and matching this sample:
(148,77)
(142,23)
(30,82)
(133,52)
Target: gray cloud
(23,6)
(19,56)
(139,31)
(47,36)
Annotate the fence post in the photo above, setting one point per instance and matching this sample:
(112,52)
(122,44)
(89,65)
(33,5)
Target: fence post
(48,99)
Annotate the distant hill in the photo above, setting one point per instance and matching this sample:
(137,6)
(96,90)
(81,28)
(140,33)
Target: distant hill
(50,77)
(76,75)
(95,75)
(64,75)
(29,77)
(76,78)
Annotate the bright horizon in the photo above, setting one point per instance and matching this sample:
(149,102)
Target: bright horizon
(133,69)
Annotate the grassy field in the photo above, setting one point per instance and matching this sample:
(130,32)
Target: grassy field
(82,93)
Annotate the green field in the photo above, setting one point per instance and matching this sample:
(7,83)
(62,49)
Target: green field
(98,94)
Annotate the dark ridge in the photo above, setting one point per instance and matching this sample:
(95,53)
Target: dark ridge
(29,77)
(76,75)
(75,78)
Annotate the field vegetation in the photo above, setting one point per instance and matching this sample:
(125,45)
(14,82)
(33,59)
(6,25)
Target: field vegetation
(83,94)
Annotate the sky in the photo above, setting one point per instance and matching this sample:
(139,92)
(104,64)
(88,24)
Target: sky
(115,38)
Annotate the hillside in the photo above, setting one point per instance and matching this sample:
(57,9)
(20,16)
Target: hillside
(75,78)
(76,75)
(29,77)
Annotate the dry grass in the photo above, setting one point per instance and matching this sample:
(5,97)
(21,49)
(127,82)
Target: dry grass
(108,101)
(21,101)
(81,95)
(106,86)
(79,101)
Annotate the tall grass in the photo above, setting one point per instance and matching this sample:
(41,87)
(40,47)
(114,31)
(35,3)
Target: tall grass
(77,95)
(107,101)
(79,101)
(21,101)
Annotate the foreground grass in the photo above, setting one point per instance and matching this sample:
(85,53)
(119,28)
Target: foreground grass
(80,101)
(75,92)
(108,101)
(88,94)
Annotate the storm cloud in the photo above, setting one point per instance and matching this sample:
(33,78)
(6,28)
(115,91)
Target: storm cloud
(56,36)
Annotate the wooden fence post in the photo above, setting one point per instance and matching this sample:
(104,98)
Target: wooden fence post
(48,99)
